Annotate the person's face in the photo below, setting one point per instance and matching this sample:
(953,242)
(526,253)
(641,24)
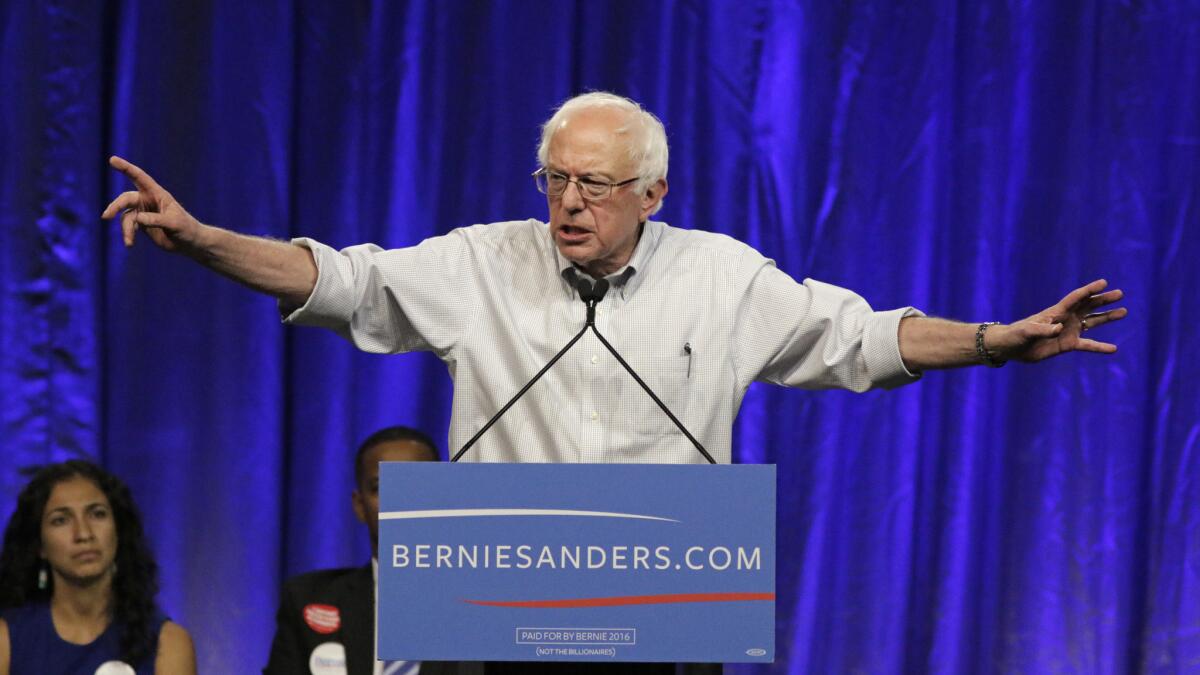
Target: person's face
(79,535)
(366,497)
(597,236)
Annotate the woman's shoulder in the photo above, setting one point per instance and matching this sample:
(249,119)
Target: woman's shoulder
(171,632)
(176,653)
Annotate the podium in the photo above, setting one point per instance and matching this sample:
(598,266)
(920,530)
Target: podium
(576,562)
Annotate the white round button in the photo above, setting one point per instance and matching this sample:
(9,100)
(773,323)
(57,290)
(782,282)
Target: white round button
(595,415)
(327,658)
(595,359)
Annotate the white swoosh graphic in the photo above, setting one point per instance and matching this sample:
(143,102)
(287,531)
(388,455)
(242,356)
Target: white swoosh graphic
(471,513)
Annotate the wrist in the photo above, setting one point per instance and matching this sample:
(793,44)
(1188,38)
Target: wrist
(206,242)
(984,348)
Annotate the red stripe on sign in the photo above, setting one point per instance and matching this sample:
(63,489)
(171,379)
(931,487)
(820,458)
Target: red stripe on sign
(618,601)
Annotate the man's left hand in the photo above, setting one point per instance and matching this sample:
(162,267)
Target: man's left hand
(1059,328)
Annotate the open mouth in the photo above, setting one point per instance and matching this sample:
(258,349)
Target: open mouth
(573,233)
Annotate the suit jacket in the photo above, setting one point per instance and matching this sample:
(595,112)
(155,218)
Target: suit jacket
(351,590)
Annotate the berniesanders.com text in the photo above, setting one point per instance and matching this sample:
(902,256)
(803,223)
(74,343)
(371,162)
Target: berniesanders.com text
(574,557)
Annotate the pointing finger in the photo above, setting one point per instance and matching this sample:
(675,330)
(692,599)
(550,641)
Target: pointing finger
(140,178)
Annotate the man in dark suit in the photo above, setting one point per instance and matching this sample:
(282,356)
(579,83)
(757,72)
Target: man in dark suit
(326,619)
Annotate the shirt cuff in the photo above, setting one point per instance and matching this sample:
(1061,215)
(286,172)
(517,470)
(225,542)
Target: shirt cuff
(331,303)
(881,348)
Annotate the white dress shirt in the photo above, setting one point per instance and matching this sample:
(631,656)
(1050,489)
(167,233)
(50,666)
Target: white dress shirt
(699,316)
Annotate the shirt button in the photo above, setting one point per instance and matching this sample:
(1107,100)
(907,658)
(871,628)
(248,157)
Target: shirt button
(595,415)
(595,359)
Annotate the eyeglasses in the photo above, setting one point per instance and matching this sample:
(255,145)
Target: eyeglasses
(554,184)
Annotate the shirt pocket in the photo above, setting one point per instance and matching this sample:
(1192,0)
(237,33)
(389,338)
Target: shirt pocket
(636,415)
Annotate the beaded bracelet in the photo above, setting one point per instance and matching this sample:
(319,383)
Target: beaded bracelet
(984,356)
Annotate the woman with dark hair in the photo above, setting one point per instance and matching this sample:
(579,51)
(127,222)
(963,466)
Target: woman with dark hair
(77,582)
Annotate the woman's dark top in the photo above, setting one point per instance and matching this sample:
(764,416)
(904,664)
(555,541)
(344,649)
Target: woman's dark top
(38,650)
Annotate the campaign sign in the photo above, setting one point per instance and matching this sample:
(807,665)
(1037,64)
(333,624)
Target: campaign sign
(576,562)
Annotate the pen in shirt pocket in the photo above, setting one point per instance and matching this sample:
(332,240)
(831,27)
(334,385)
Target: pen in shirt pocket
(687,349)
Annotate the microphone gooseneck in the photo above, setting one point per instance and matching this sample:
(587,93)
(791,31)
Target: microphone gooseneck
(591,294)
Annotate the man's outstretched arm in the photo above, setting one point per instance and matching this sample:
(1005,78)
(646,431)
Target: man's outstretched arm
(927,343)
(274,267)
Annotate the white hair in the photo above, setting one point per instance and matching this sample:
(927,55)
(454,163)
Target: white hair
(647,139)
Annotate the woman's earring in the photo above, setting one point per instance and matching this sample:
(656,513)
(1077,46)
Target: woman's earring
(43,577)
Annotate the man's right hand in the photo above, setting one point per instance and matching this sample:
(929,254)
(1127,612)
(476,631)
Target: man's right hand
(153,209)
(276,268)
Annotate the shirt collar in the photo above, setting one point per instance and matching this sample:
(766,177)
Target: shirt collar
(627,279)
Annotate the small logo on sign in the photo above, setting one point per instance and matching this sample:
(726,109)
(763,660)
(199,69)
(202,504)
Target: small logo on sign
(756,652)
(324,619)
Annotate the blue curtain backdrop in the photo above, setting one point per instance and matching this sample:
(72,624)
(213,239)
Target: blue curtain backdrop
(977,160)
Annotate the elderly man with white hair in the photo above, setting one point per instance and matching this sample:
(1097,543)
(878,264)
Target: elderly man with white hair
(698,315)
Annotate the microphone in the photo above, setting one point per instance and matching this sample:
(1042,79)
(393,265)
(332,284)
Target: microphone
(580,283)
(590,293)
(600,290)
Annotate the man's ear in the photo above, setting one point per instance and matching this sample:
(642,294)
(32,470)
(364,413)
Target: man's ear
(360,510)
(652,196)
